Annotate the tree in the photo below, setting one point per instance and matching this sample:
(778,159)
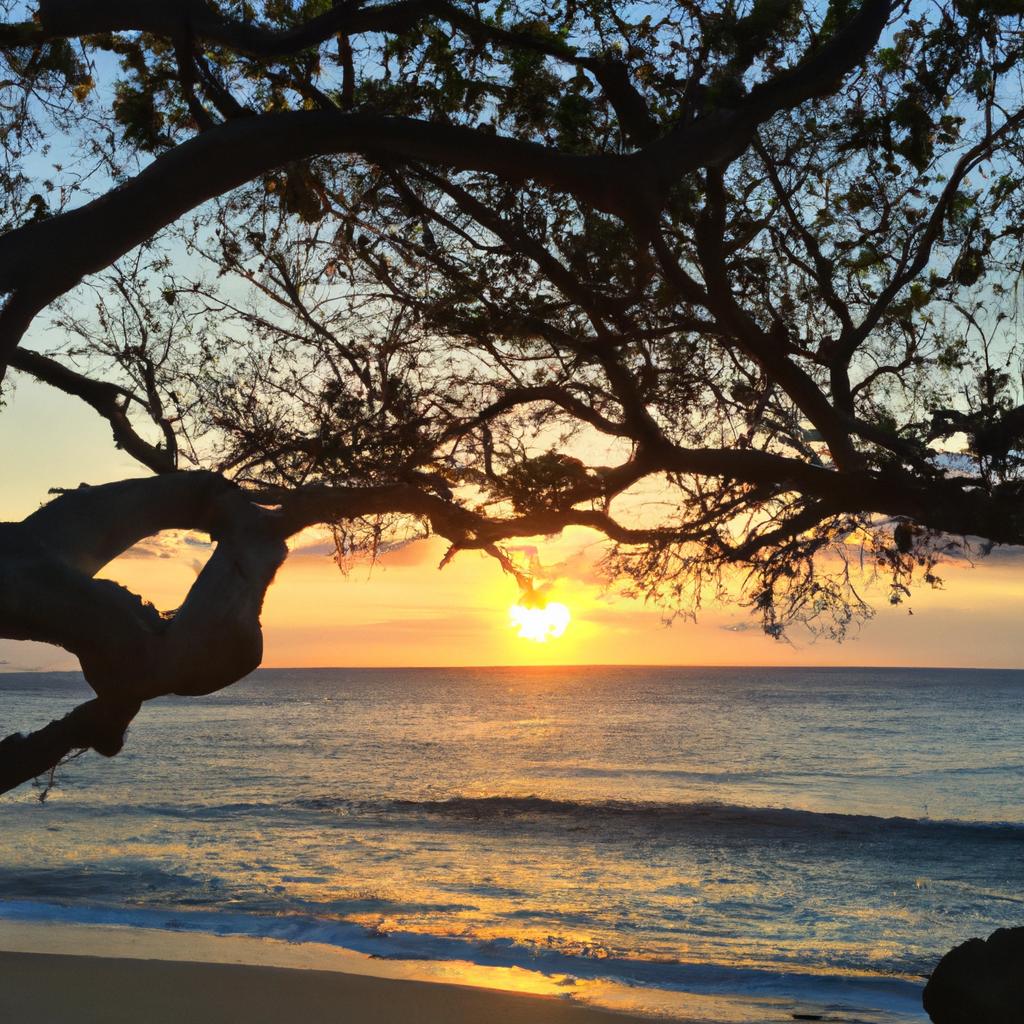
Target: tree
(734,284)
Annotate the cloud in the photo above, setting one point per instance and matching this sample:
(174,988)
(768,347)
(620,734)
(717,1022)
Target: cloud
(170,544)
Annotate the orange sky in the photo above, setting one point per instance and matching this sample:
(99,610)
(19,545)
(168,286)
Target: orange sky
(405,612)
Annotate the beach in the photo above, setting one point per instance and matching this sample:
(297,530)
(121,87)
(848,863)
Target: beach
(160,977)
(53,972)
(56,988)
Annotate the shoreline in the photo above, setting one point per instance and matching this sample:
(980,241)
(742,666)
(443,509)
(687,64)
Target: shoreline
(56,987)
(47,968)
(54,972)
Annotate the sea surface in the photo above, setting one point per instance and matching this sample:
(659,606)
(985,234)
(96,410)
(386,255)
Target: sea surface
(815,839)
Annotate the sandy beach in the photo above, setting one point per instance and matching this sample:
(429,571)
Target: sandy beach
(52,974)
(57,988)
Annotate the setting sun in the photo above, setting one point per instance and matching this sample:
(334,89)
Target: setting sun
(539,623)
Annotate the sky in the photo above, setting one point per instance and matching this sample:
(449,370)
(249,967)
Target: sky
(404,611)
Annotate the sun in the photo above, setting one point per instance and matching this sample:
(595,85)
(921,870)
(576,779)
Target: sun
(539,623)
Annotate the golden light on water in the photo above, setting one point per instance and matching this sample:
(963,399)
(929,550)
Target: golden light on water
(539,623)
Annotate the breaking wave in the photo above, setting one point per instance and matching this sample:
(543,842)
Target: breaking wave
(524,810)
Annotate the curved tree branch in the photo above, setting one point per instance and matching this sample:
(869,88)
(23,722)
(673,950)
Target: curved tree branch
(109,400)
(631,186)
(129,652)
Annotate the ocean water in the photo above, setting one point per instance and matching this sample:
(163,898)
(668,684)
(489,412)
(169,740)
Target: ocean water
(814,837)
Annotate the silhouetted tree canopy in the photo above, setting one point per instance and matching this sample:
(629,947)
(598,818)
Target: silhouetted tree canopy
(735,284)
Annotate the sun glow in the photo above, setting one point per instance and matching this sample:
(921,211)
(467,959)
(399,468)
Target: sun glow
(539,623)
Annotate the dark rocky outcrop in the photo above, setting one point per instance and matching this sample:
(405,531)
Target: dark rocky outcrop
(980,982)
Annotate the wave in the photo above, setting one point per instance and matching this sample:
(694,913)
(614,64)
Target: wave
(538,812)
(661,815)
(898,994)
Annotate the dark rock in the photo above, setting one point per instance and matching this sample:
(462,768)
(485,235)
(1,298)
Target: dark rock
(980,982)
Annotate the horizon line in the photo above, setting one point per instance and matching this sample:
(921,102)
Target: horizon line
(12,670)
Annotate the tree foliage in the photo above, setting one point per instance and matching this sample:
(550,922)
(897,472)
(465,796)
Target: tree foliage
(735,284)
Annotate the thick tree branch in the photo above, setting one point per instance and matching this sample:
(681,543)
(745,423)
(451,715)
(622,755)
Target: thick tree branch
(91,237)
(129,652)
(223,157)
(95,725)
(724,134)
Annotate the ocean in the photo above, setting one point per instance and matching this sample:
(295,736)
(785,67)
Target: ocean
(811,838)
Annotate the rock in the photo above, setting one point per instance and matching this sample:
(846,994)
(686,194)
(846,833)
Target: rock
(979,982)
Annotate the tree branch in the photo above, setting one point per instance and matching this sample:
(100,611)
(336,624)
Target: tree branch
(109,400)
(221,158)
